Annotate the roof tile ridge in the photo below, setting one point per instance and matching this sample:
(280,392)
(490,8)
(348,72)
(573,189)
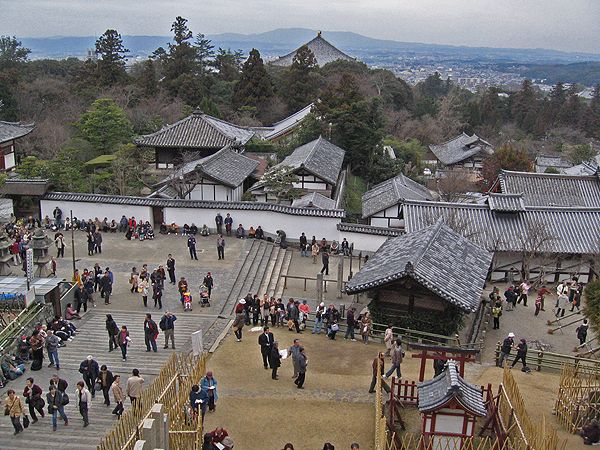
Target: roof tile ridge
(432,231)
(203,161)
(448,141)
(167,127)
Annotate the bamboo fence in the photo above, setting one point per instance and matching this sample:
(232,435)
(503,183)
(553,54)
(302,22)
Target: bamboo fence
(170,388)
(578,400)
(380,422)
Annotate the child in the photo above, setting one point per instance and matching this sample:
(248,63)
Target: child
(187,301)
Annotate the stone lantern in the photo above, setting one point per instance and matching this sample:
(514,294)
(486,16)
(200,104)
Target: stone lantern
(40,243)
(5,256)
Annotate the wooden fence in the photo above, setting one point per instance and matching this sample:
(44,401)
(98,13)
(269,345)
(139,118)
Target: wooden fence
(578,400)
(171,388)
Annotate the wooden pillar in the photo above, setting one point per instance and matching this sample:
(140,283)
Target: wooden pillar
(340,276)
(319,287)
(423,362)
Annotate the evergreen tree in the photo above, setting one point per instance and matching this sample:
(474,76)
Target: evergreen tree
(255,87)
(592,114)
(433,86)
(204,53)
(556,102)
(104,125)
(181,57)
(301,82)
(12,52)
(147,80)
(111,65)
(525,107)
(228,64)
(571,113)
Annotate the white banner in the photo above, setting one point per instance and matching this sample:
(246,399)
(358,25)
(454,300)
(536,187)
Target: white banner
(29,264)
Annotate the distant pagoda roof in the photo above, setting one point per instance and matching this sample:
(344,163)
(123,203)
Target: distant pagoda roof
(14,130)
(324,53)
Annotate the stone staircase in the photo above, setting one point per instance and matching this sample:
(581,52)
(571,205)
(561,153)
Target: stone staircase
(260,273)
(92,339)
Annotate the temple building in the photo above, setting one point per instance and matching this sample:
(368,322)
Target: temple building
(317,165)
(462,152)
(10,132)
(324,53)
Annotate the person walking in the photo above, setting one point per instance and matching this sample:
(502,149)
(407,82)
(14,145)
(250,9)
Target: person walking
(167,325)
(106,285)
(36,341)
(209,282)
(150,333)
(142,288)
(562,291)
(90,243)
(524,288)
(61,385)
(496,313)
(33,399)
(191,243)
(240,319)
(208,384)
(265,340)
(388,339)
(56,405)
(314,251)
(302,363)
(505,349)
(325,260)
(294,351)
(379,361)
(118,396)
(123,340)
(171,268)
(81,297)
(521,355)
(135,384)
(350,324)
(113,331)
(89,370)
(221,247)
(105,379)
(303,245)
(219,223)
(157,293)
(397,357)
(228,224)
(134,279)
(52,344)
(98,242)
(365,327)
(13,407)
(582,331)
(84,400)
(274,360)
(294,314)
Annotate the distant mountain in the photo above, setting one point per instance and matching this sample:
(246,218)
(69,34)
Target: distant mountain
(281,41)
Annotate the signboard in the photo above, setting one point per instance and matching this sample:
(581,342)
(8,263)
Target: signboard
(197,343)
(29,264)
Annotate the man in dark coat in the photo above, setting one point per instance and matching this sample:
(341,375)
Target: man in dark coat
(106,285)
(274,360)
(219,223)
(150,333)
(325,259)
(81,298)
(209,282)
(350,322)
(89,370)
(228,224)
(506,347)
(191,243)
(266,340)
(171,268)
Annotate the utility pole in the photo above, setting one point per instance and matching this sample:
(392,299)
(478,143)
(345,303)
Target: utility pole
(73,242)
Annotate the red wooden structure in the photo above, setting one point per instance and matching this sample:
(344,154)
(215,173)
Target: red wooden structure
(436,352)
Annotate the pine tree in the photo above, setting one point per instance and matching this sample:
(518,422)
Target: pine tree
(556,102)
(204,53)
(525,107)
(255,87)
(111,65)
(571,113)
(181,57)
(12,52)
(147,80)
(228,64)
(301,81)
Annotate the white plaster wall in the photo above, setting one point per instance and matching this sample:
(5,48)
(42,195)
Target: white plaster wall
(311,186)
(211,192)
(364,242)
(9,160)
(91,210)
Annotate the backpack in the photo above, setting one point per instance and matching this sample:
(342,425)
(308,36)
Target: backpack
(162,324)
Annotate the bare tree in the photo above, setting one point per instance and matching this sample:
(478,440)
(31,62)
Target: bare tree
(184,176)
(534,240)
(453,219)
(453,184)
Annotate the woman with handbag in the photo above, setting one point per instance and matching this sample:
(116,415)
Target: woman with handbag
(56,405)
(124,341)
(13,407)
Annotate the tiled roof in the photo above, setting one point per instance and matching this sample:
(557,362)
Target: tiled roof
(460,148)
(391,192)
(557,162)
(180,203)
(585,168)
(368,229)
(436,257)
(285,125)
(569,230)
(197,131)
(25,186)
(506,202)
(314,200)
(14,130)
(324,53)
(319,157)
(449,385)
(546,189)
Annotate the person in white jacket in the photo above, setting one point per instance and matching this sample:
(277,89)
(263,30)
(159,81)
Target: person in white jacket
(388,340)
(84,400)
(562,291)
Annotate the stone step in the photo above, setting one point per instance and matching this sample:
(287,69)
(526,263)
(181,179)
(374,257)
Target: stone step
(276,273)
(263,267)
(257,270)
(237,286)
(284,270)
(244,285)
(271,265)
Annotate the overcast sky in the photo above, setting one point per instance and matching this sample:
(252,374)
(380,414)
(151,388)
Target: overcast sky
(572,25)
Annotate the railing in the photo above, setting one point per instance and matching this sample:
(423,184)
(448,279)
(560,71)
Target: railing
(171,388)
(555,361)
(305,279)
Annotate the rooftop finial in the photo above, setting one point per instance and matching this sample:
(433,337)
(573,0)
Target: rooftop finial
(319,33)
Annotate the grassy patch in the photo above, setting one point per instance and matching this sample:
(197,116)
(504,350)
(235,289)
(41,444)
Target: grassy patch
(355,188)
